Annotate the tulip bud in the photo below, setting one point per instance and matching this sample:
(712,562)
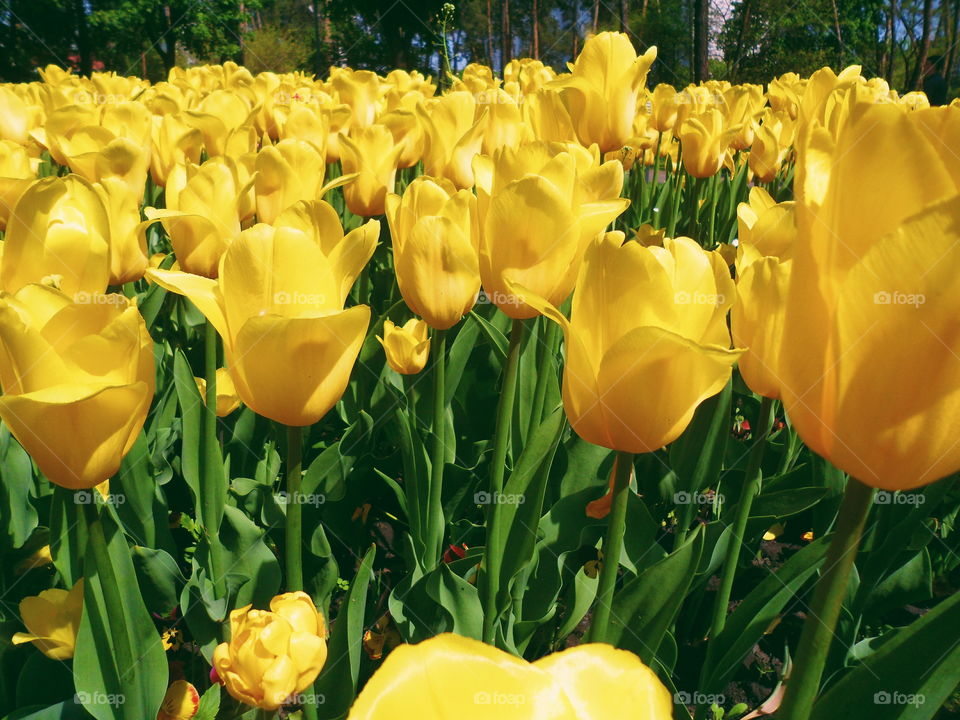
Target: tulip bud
(407,348)
(181,702)
(53,620)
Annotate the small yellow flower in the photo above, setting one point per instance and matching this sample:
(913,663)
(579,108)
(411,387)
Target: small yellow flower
(52,619)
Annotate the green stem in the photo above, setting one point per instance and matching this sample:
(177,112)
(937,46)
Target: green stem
(266,714)
(751,488)
(612,548)
(714,186)
(110,588)
(211,479)
(292,531)
(804,680)
(492,552)
(435,508)
(545,352)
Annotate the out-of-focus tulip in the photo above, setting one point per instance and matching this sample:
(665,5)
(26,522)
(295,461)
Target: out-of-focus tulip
(86,365)
(17,118)
(278,305)
(407,347)
(290,171)
(767,225)
(665,340)
(272,654)
(128,248)
(227,398)
(436,237)
(705,139)
(203,218)
(454,676)
(53,620)
(372,154)
(771,143)
(453,137)
(873,291)
(540,205)
(601,94)
(17,173)
(59,234)
(181,702)
(742,104)
(784,93)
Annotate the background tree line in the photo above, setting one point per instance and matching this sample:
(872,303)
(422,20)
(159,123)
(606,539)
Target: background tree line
(737,40)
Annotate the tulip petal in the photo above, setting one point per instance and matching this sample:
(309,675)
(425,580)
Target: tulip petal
(202,291)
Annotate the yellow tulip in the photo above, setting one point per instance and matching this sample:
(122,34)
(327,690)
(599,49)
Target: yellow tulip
(453,136)
(272,654)
(546,114)
(371,153)
(784,93)
(454,676)
(180,702)
(128,247)
(17,117)
(407,347)
(59,233)
(278,305)
(601,93)
(361,91)
(767,225)
(17,173)
(503,122)
(540,205)
(704,139)
(203,217)
(869,369)
(227,398)
(290,171)
(435,234)
(665,102)
(219,116)
(175,143)
(742,104)
(61,124)
(308,124)
(87,365)
(407,133)
(771,144)
(53,620)
(636,369)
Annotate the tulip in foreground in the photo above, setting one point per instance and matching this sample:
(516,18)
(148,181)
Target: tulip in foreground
(278,304)
(81,365)
(53,620)
(453,676)
(272,654)
(406,347)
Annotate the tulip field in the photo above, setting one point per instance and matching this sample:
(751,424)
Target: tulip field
(549,396)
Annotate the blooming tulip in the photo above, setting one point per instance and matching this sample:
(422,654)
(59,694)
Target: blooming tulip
(453,136)
(705,139)
(272,654)
(128,247)
(872,291)
(17,173)
(290,171)
(435,236)
(87,365)
(53,620)
(372,154)
(637,369)
(454,676)
(407,348)
(278,305)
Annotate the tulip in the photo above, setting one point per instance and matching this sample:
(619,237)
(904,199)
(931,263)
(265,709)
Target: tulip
(453,137)
(360,90)
(278,305)
(435,235)
(17,118)
(17,173)
(601,93)
(407,133)
(308,124)
(58,233)
(86,365)
(743,103)
(203,217)
(290,171)
(665,102)
(180,702)
(705,139)
(664,341)
(874,270)
(546,114)
(373,155)
(407,348)
(454,676)
(128,248)
(272,654)
(227,398)
(540,205)
(219,116)
(175,143)
(53,620)
(771,144)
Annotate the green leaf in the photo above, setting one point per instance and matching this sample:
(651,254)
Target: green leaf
(139,500)
(68,710)
(697,455)
(337,684)
(498,341)
(159,577)
(783,503)
(459,599)
(191,415)
(908,678)
(18,517)
(209,704)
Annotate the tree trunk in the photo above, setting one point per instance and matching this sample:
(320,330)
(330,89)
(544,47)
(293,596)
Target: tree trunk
(576,28)
(624,16)
(917,79)
(167,44)
(536,30)
(596,16)
(701,30)
(489,34)
(888,41)
(741,36)
(952,50)
(506,41)
(836,29)
(318,51)
(83,38)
